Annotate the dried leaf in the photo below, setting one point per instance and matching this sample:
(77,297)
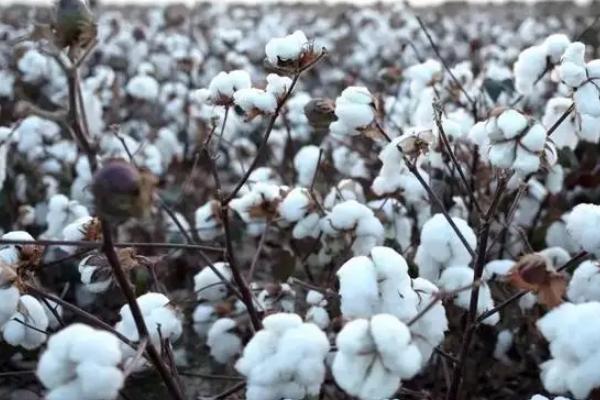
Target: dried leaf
(534,272)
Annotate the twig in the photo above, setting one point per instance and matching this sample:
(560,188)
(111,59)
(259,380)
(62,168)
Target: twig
(136,312)
(471,325)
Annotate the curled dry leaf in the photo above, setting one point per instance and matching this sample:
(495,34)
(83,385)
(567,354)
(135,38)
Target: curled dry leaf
(535,272)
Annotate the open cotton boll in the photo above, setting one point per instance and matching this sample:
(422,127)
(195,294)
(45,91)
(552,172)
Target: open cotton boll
(81,363)
(278,85)
(11,254)
(277,298)
(440,242)
(573,332)
(295,205)
(587,100)
(428,331)
(317,314)
(252,99)
(572,68)
(209,286)
(457,277)
(224,85)
(358,288)
(308,226)
(306,162)
(158,315)
(208,223)
(555,45)
(224,344)
(374,356)
(143,87)
(585,283)
(95,273)
(76,231)
(29,311)
(511,123)
(62,212)
(565,135)
(504,341)
(31,133)
(286,359)
(355,109)
(582,226)
(9,300)
(529,67)
(287,48)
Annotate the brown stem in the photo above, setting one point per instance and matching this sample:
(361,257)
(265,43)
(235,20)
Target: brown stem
(454,390)
(136,312)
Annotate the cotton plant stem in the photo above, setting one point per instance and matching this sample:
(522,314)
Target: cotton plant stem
(471,325)
(138,318)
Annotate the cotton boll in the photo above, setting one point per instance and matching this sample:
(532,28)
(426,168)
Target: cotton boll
(9,300)
(306,162)
(355,110)
(224,344)
(288,48)
(460,277)
(555,46)
(585,283)
(366,366)
(143,87)
(209,286)
(504,342)
(572,68)
(295,205)
(529,66)
(95,273)
(278,85)
(587,100)
(428,331)
(285,359)
(207,220)
(81,363)
(582,225)
(31,312)
(253,99)
(511,123)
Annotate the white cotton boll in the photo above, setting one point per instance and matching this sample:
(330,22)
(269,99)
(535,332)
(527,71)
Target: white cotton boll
(428,331)
(585,283)
(295,205)
(169,146)
(358,288)
(76,231)
(81,363)
(557,235)
(504,342)
(157,313)
(565,135)
(527,302)
(278,85)
(250,99)
(339,128)
(529,66)
(288,48)
(574,337)
(307,227)
(204,316)
(502,155)
(61,212)
(479,136)
(460,277)
(534,139)
(526,163)
(442,243)
(9,300)
(354,109)
(207,220)
(511,123)
(208,285)
(555,46)
(31,312)
(32,131)
(52,309)
(572,68)
(95,273)
(33,66)
(285,359)
(582,226)
(306,162)
(589,128)
(555,179)
(11,254)
(499,268)
(143,87)
(587,100)
(318,316)
(224,344)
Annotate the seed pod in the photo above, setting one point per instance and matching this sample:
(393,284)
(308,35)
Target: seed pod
(73,24)
(121,191)
(320,112)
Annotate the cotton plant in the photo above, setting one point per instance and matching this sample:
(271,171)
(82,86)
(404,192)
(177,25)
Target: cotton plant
(356,221)
(374,356)
(572,332)
(286,359)
(83,363)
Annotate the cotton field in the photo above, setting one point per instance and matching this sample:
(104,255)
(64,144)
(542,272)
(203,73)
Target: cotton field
(272,202)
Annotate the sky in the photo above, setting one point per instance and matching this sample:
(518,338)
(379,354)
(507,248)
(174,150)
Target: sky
(155,2)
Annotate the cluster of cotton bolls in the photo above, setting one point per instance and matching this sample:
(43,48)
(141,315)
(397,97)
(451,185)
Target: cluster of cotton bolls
(81,363)
(380,284)
(286,359)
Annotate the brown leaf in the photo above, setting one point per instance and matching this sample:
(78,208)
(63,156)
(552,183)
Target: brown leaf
(534,272)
